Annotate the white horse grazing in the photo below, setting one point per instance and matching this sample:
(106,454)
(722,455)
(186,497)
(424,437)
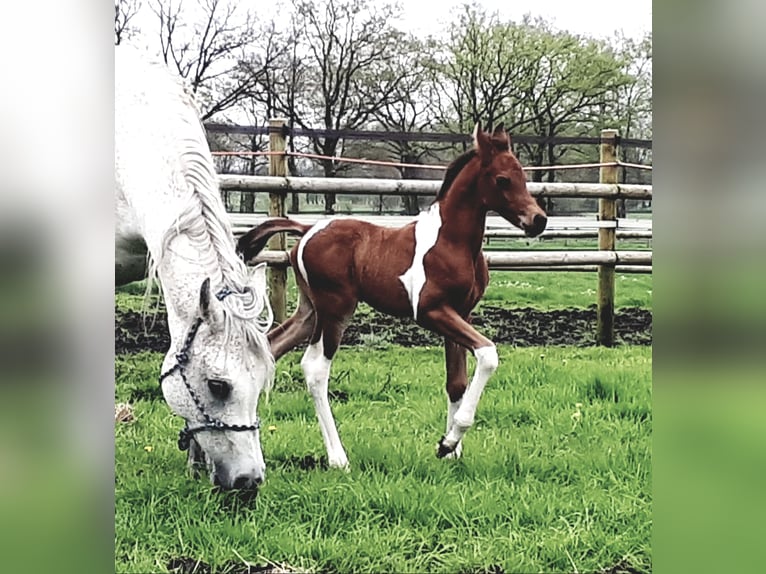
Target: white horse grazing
(168,203)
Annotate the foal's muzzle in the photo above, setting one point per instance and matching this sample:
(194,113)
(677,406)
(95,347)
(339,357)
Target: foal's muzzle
(536,227)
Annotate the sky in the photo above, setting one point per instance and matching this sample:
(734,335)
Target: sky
(597,18)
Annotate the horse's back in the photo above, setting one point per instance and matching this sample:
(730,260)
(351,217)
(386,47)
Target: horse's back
(155,121)
(351,253)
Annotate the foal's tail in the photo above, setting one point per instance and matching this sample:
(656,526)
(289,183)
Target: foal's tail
(252,242)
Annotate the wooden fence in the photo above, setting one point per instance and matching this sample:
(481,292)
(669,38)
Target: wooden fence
(607,259)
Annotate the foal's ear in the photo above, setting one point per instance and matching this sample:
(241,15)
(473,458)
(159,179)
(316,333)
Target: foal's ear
(502,137)
(483,144)
(210,308)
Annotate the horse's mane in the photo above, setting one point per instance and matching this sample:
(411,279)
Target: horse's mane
(204,220)
(453,170)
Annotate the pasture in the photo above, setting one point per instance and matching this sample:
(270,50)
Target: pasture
(555,474)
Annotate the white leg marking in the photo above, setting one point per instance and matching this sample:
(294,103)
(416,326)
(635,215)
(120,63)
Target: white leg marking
(486,364)
(426,232)
(451,410)
(318,226)
(316,369)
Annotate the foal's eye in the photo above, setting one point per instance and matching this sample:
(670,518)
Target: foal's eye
(219,388)
(503,182)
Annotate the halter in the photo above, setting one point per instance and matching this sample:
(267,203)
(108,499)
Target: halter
(186,434)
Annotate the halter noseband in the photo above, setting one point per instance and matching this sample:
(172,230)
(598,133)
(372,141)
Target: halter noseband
(186,434)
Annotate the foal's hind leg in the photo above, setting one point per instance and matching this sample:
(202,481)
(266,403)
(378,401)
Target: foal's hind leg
(457,381)
(316,365)
(296,330)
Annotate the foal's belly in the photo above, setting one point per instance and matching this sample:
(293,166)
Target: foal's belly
(390,298)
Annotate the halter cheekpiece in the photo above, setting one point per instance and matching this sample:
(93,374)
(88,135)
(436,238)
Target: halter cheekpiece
(182,359)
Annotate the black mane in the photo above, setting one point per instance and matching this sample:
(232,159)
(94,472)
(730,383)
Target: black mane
(453,170)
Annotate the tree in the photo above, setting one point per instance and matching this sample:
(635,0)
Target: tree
(481,66)
(124,12)
(338,74)
(209,52)
(411,110)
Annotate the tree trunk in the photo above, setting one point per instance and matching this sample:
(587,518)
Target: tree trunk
(409,202)
(328,149)
(247,199)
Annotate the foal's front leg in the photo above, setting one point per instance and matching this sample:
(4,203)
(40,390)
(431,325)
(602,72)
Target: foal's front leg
(457,381)
(447,322)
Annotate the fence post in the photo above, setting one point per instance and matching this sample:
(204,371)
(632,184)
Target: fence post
(277,167)
(607,211)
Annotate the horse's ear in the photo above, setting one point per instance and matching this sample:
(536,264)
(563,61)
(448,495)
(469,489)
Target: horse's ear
(209,307)
(501,136)
(483,144)
(257,277)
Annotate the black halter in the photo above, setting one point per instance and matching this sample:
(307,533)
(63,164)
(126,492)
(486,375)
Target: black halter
(182,359)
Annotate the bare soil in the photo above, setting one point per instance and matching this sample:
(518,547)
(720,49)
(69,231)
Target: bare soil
(521,327)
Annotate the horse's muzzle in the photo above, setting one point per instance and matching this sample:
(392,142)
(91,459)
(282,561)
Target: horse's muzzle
(536,227)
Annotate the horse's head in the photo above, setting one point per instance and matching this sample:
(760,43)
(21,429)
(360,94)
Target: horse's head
(214,382)
(502,183)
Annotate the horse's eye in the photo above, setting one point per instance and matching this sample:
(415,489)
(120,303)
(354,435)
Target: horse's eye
(503,182)
(220,389)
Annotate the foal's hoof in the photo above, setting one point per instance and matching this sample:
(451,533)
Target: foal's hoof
(443,449)
(455,454)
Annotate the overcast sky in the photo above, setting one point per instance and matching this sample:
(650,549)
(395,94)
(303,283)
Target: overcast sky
(598,18)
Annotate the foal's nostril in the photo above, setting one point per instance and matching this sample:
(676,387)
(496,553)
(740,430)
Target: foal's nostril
(539,222)
(242,482)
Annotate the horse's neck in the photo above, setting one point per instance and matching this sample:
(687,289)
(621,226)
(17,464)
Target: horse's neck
(185,265)
(464,216)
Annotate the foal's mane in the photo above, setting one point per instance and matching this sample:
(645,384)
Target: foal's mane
(453,170)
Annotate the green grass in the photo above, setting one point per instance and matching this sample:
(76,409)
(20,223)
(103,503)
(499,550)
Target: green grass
(544,290)
(539,488)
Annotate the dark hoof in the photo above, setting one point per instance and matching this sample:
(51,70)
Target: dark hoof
(442,449)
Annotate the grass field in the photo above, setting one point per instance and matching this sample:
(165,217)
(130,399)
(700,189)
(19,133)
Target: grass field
(545,290)
(555,475)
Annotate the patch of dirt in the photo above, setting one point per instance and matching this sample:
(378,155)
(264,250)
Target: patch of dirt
(184,565)
(123,413)
(622,567)
(522,327)
(308,462)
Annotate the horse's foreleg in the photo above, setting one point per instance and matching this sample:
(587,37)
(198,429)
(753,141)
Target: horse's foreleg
(316,368)
(447,322)
(457,381)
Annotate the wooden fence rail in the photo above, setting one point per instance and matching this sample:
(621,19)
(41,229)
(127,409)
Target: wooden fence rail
(607,260)
(368,186)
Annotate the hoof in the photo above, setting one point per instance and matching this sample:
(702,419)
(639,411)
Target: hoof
(455,454)
(443,449)
(340,464)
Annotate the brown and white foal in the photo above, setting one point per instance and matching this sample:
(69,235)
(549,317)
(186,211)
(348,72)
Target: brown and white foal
(432,269)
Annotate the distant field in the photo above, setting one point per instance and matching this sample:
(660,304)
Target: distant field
(545,290)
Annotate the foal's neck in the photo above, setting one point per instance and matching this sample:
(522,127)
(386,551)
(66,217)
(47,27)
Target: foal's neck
(464,216)
(183,268)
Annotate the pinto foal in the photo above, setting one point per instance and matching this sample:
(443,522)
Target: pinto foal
(432,269)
